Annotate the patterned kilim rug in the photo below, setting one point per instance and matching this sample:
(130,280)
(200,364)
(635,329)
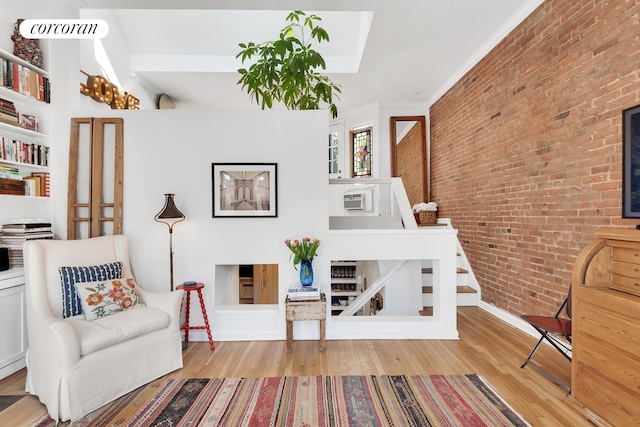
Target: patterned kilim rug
(387,400)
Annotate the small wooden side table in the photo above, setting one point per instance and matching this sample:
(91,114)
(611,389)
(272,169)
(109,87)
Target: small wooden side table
(306,310)
(185,326)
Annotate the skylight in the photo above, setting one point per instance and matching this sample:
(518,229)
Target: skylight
(207,40)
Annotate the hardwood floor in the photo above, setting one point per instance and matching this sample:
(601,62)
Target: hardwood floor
(487,346)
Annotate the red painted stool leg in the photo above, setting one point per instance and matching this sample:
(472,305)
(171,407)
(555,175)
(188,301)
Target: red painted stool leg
(186,322)
(206,320)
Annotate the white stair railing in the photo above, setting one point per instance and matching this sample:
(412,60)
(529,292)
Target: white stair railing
(371,291)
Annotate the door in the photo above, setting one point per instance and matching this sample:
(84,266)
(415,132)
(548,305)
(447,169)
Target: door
(265,284)
(94,204)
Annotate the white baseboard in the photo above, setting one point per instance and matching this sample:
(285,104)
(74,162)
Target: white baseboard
(12,368)
(509,318)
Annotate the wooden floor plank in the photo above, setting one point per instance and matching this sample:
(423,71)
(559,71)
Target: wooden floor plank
(487,346)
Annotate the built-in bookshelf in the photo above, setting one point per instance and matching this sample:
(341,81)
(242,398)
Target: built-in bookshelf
(24,117)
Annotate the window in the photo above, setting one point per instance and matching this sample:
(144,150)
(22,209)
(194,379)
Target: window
(361,140)
(333,153)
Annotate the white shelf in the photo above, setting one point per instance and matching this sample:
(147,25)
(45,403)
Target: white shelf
(5,92)
(7,276)
(12,57)
(336,293)
(23,165)
(25,197)
(21,131)
(343,263)
(346,281)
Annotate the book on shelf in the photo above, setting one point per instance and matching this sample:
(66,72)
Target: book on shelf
(13,235)
(23,152)
(45,183)
(309,289)
(30,187)
(24,231)
(21,238)
(304,297)
(303,293)
(26,225)
(24,80)
(6,118)
(12,186)
(9,172)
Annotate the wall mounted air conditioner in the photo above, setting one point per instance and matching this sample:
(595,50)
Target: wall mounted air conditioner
(354,201)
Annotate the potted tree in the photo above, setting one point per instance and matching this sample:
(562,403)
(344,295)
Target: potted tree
(286,69)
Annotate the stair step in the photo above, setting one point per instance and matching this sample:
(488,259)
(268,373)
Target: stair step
(426,311)
(429,270)
(459,290)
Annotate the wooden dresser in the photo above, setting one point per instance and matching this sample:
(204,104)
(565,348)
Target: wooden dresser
(605,378)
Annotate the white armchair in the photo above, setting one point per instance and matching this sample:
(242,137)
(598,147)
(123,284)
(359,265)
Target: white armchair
(75,366)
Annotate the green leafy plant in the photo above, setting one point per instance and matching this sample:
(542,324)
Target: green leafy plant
(302,250)
(285,69)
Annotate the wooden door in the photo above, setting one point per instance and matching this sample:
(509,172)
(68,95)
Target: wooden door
(265,284)
(94,194)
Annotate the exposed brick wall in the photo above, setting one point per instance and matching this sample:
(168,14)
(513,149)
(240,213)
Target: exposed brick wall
(527,148)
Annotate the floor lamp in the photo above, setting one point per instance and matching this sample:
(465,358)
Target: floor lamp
(170,215)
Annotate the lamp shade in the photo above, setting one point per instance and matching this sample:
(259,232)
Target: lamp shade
(169,213)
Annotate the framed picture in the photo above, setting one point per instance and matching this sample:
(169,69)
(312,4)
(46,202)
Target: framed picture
(243,190)
(631,162)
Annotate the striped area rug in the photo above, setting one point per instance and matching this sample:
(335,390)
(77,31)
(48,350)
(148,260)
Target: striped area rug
(315,401)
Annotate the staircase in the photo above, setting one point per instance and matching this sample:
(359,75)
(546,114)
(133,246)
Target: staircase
(467,288)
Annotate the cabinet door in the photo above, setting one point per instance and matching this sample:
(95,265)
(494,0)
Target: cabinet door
(265,284)
(13,336)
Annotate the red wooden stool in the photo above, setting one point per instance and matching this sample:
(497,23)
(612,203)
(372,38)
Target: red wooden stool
(185,326)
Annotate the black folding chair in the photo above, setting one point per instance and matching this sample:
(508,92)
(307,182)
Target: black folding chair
(556,331)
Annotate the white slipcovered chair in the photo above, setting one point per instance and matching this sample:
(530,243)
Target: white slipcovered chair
(75,366)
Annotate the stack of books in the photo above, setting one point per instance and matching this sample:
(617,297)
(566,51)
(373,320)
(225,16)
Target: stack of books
(38,184)
(9,172)
(304,293)
(8,112)
(13,235)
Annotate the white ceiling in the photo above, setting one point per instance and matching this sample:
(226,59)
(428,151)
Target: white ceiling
(401,51)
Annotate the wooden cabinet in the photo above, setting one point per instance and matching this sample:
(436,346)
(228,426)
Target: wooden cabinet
(605,381)
(13,329)
(258,283)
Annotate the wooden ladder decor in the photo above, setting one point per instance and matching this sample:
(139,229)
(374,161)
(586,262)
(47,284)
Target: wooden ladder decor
(93,202)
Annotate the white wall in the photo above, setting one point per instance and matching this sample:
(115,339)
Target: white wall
(171,151)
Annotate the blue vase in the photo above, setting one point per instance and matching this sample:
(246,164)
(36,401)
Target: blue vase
(306,272)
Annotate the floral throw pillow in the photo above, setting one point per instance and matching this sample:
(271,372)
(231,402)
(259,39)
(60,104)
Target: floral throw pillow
(104,298)
(69,276)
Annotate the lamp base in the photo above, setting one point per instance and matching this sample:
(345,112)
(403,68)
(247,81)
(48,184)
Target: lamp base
(184,345)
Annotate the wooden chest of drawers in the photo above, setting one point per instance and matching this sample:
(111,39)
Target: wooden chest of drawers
(605,378)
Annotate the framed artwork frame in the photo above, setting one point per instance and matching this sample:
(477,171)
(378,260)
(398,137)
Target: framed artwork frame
(244,190)
(631,162)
